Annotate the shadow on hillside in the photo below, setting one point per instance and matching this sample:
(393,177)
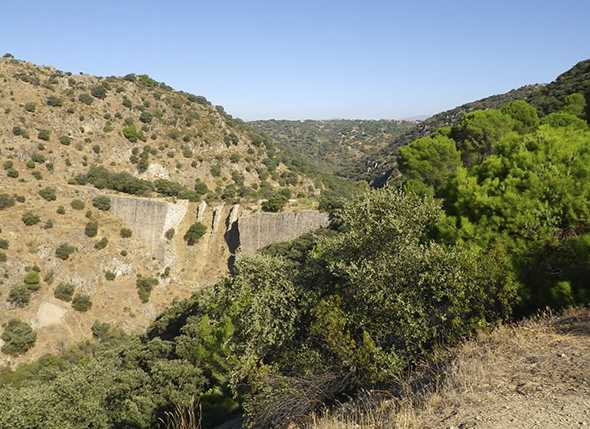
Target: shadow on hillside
(232,238)
(576,324)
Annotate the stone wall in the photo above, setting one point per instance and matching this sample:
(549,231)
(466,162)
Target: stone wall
(259,230)
(149,219)
(231,227)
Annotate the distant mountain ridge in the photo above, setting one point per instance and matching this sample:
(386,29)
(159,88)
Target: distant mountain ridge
(346,147)
(546,98)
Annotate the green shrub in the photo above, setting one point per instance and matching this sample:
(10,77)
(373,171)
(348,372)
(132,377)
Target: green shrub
(64,251)
(30,107)
(275,203)
(44,135)
(64,292)
(145,117)
(61,210)
(30,218)
(81,302)
(6,201)
(144,287)
(32,280)
(77,204)
(194,233)
(99,91)
(11,172)
(91,229)
(174,189)
(18,337)
(201,187)
(101,330)
(19,296)
(38,158)
(101,244)
(54,101)
(101,178)
(65,140)
(48,194)
(131,133)
(4,244)
(86,99)
(109,275)
(169,234)
(102,203)
(126,232)
(3,257)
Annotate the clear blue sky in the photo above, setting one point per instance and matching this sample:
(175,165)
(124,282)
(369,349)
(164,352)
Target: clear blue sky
(309,58)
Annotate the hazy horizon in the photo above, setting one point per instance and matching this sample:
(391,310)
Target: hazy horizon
(264,60)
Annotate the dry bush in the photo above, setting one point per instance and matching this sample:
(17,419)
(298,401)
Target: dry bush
(183,416)
(519,372)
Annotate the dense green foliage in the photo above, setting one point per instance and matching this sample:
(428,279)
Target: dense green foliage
(523,188)
(275,203)
(18,337)
(102,202)
(330,314)
(102,178)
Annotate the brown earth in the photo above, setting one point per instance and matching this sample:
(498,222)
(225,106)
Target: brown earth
(45,144)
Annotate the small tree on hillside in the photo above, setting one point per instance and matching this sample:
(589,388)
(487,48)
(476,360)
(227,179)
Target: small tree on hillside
(18,337)
(194,233)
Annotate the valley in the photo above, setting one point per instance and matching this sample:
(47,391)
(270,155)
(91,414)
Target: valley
(164,264)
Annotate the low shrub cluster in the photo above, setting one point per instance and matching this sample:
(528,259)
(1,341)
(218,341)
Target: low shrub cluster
(64,292)
(144,287)
(194,233)
(64,251)
(102,178)
(18,337)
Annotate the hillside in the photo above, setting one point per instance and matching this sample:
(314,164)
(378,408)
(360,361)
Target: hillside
(547,98)
(344,147)
(530,375)
(132,124)
(101,181)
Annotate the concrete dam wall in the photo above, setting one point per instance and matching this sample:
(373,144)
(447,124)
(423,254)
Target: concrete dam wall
(259,230)
(231,227)
(149,219)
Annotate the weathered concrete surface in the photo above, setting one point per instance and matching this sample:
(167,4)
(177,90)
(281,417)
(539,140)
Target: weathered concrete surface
(259,230)
(149,219)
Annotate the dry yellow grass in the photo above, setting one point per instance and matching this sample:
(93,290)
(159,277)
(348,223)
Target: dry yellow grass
(532,375)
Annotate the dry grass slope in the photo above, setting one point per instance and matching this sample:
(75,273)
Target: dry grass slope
(532,375)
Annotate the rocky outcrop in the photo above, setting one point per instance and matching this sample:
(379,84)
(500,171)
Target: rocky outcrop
(259,230)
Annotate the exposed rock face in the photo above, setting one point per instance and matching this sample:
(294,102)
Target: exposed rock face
(217,214)
(149,219)
(201,211)
(259,230)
